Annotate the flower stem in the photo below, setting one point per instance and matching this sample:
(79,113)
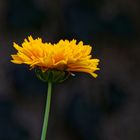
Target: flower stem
(47,110)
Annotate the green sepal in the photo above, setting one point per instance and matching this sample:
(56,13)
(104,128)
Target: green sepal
(54,76)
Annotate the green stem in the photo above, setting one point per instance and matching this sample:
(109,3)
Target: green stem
(47,110)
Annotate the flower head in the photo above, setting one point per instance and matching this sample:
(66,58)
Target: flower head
(65,55)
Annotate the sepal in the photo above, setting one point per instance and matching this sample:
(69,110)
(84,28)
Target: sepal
(54,76)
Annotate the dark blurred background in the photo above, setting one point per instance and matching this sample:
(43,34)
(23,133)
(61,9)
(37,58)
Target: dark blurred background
(83,108)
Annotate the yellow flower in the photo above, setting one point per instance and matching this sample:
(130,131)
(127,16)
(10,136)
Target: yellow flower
(63,56)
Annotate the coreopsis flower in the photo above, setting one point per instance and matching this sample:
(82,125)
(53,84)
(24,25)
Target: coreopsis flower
(54,63)
(65,56)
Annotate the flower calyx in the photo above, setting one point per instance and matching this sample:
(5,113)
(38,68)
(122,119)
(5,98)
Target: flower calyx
(52,75)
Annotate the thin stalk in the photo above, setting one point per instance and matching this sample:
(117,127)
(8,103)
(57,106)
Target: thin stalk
(47,110)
